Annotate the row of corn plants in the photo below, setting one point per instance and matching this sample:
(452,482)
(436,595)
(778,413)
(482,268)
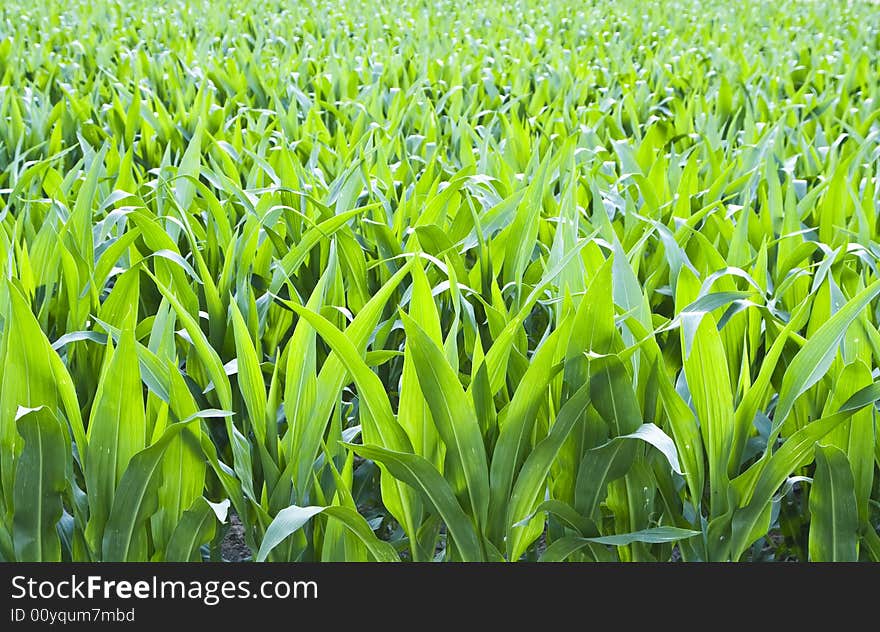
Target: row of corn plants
(447,281)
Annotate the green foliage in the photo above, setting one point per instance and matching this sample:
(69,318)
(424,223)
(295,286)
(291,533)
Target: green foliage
(464,281)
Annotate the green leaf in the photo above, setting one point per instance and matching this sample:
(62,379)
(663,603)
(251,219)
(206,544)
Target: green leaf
(530,482)
(708,381)
(33,376)
(196,527)
(40,481)
(563,548)
(250,376)
(136,500)
(514,441)
(613,395)
(117,431)
(416,472)
(456,420)
(291,519)
(184,189)
(377,418)
(654,535)
(815,357)
(206,353)
(834,516)
(797,451)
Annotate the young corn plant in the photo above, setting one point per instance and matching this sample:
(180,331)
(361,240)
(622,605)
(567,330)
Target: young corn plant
(447,282)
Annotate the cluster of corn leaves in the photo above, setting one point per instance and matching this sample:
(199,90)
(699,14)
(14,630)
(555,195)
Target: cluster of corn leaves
(439,280)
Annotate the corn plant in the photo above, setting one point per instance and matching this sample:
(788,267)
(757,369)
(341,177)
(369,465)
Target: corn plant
(480,281)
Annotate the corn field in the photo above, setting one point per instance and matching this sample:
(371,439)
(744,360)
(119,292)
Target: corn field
(439,281)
